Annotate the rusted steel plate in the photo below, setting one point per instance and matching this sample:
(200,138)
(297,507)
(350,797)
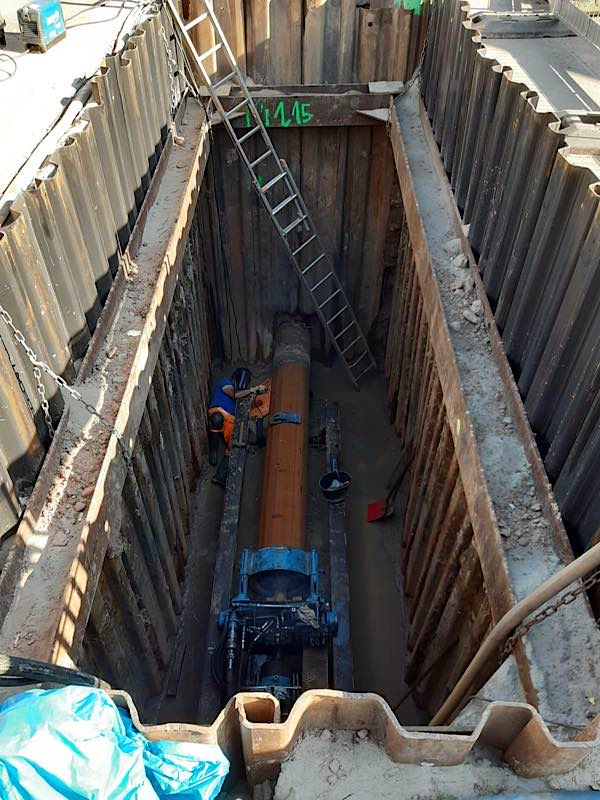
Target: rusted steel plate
(299,108)
(64,547)
(253,719)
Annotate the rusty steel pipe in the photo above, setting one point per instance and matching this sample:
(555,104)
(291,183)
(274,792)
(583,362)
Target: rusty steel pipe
(285,477)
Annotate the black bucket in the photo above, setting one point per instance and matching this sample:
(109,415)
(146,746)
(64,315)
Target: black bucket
(335,484)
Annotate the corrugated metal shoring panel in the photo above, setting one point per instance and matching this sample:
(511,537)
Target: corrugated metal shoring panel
(61,243)
(349,184)
(449,613)
(526,182)
(315,41)
(139,594)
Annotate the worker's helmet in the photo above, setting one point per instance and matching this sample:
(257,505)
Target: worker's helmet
(216,422)
(241,378)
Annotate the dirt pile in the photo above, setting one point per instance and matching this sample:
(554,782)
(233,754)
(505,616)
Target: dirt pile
(348,765)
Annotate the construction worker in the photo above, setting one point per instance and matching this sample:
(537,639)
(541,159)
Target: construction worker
(221,415)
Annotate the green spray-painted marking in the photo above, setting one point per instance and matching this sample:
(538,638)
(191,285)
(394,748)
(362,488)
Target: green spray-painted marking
(286,115)
(410,5)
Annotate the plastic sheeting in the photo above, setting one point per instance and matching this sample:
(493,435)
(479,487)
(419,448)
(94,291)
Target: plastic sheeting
(75,743)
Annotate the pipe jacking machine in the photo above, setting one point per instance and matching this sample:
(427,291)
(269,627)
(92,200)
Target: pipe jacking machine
(277,629)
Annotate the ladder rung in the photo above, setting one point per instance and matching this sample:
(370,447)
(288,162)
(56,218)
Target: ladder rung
(292,225)
(223,81)
(232,112)
(211,51)
(283,204)
(260,159)
(344,330)
(303,245)
(330,298)
(359,359)
(312,263)
(321,282)
(364,372)
(196,21)
(358,338)
(249,134)
(272,182)
(335,316)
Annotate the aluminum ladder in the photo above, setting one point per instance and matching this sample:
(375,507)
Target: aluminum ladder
(278,193)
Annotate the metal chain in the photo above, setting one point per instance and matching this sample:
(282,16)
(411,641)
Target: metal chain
(417,72)
(40,366)
(172,72)
(176,70)
(43,400)
(548,611)
(17,372)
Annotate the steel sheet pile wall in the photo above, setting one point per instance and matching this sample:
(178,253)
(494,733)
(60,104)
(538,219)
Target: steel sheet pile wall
(61,244)
(449,614)
(347,180)
(315,41)
(139,597)
(526,183)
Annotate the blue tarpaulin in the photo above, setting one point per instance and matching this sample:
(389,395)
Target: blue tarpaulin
(75,743)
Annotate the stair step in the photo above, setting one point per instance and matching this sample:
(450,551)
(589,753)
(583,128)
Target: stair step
(283,204)
(304,244)
(211,51)
(189,25)
(311,265)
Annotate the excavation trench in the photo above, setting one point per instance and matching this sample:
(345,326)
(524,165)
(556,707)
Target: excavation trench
(474,527)
(128,576)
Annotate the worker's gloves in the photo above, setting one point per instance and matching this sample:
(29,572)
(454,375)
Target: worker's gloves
(261,389)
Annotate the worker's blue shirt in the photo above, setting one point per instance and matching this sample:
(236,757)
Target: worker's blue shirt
(219,399)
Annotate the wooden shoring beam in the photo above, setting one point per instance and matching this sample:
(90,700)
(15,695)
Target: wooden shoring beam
(518,535)
(295,107)
(63,538)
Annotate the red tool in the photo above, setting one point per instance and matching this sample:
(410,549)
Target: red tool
(382,509)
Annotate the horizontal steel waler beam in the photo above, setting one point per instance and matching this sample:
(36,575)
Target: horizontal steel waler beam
(294,107)
(500,467)
(53,573)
